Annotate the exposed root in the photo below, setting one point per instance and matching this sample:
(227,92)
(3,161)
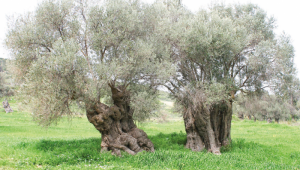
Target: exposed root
(216,151)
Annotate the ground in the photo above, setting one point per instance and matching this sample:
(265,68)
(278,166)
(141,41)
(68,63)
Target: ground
(76,145)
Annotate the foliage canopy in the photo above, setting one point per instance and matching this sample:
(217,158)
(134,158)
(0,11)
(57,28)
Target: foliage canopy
(69,51)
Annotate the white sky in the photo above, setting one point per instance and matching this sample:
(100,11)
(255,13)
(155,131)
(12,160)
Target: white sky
(286,13)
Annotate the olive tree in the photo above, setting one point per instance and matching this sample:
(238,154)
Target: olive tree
(5,91)
(222,51)
(83,51)
(3,86)
(264,107)
(6,85)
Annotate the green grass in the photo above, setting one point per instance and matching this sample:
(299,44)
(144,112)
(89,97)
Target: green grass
(76,145)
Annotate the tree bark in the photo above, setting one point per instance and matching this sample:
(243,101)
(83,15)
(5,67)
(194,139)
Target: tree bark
(116,125)
(6,106)
(208,127)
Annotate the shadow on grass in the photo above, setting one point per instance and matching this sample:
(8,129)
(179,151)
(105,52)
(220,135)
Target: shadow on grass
(55,152)
(160,141)
(239,144)
(72,152)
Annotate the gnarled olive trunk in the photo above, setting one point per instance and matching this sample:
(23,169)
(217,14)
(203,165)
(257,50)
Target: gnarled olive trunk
(6,106)
(116,125)
(208,128)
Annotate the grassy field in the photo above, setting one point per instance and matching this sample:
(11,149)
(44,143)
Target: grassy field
(76,145)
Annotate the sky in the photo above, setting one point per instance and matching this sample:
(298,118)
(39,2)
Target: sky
(285,12)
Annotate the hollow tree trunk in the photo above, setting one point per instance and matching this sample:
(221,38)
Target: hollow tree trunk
(208,128)
(116,125)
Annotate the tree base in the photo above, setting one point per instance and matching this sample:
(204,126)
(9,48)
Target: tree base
(208,128)
(7,106)
(116,125)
